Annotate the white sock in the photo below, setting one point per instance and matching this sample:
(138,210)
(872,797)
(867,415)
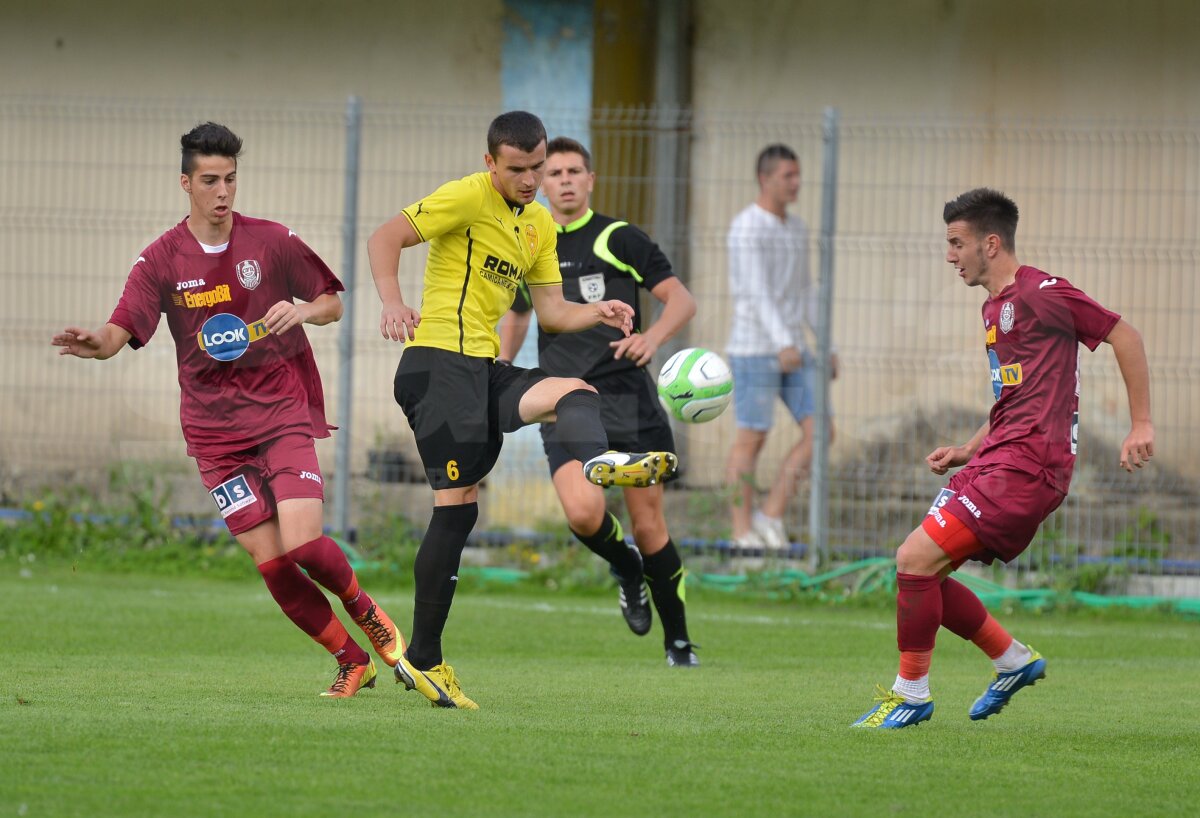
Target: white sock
(1015,658)
(914,691)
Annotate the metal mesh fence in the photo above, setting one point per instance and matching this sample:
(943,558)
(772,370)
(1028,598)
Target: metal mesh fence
(1114,208)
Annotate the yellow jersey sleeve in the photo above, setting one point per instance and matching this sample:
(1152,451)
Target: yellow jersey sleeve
(450,208)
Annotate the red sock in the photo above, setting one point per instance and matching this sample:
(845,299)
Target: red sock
(308,608)
(991,638)
(914,664)
(962,612)
(327,564)
(918,611)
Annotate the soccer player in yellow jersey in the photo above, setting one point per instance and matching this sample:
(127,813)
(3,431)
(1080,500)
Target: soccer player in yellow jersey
(487,235)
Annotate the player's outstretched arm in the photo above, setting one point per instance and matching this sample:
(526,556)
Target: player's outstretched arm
(1138,447)
(944,458)
(398,321)
(678,308)
(324,309)
(100,344)
(556,314)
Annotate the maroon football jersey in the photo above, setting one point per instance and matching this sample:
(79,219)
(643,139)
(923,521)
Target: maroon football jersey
(1034,328)
(240,384)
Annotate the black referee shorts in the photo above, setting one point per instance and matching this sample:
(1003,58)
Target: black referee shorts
(459,408)
(632,417)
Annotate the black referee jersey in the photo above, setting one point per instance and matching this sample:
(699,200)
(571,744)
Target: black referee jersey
(600,259)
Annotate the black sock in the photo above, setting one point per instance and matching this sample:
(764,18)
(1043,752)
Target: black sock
(664,575)
(609,544)
(436,573)
(578,426)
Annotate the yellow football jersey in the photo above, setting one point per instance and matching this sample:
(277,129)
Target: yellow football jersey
(480,250)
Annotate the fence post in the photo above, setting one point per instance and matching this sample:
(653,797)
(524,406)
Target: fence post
(818,509)
(341,475)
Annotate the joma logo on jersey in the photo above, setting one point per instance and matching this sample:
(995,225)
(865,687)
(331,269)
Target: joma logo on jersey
(971,507)
(207,298)
(503,267)
(187,285)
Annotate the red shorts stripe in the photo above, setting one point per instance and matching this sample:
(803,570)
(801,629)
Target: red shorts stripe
(958,541)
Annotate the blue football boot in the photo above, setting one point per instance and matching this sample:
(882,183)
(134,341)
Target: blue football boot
(893,712)
(1004,685)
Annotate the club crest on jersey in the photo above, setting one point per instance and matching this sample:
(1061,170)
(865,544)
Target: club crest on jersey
(1007,316)
(249,273)
(531,238)
(591,287)
(225,337)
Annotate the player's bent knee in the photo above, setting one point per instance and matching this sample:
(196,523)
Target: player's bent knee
(457,496)
(586,521)
(565,386)
(585,511)
(920,555)
(650,534)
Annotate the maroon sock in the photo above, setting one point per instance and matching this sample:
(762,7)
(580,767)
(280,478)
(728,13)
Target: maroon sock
(308,608)
(962,612)
(327,564)
(918,611)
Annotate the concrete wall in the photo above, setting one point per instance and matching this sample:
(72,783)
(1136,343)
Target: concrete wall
(1025,58)
(260,49)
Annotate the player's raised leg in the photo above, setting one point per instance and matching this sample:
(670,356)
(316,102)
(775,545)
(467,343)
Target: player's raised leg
(574,407)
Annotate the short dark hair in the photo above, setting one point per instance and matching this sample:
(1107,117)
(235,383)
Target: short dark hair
(771,155)
(565,144)
(208,139)
(519,129)
(987,211)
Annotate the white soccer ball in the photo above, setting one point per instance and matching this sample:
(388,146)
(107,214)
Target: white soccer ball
(695,385)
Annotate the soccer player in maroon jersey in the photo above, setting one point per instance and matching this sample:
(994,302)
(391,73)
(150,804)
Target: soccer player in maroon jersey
(251,399)
(1017,466)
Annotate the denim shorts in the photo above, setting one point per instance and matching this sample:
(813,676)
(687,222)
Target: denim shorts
(757,382)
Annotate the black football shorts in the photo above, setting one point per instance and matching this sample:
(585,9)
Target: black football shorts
(459,408)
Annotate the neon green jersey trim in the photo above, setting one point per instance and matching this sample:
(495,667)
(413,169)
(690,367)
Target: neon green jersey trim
(600,249)
(578,223)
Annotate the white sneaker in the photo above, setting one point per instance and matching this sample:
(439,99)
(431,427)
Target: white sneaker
(770,529)
(750,539)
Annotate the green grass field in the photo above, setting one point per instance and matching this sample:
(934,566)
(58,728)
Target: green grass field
(126,695)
